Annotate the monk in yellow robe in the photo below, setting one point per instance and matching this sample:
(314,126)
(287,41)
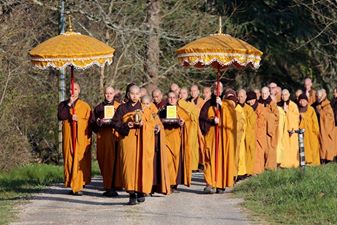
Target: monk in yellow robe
(250,137)
(136,147)
(161,176)
(240,135)
(107,152)
(178,142)
(77,159)
(290,156)
(326,126)
(218,174)
(309,122)
(282,131)
(271,114)
(199,102)
(193,113)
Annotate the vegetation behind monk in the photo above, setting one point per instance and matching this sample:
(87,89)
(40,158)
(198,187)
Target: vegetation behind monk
(298,40)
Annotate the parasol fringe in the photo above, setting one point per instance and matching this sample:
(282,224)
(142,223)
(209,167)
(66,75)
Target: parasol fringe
(43,66)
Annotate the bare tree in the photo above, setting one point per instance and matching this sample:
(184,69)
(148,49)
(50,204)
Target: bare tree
(153,48)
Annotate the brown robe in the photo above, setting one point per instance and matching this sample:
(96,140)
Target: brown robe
(327,129)
(106,148)
(271,114)
(136,149)
(334,108)
(226,155)
(77,167)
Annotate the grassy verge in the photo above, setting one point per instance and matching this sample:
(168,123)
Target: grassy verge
(19,185)
(291,197)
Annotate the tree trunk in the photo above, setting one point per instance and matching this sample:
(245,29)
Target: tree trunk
(101,80)
(153,49)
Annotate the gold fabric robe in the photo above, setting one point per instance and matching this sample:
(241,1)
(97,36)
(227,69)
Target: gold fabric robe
(309,122)
(327,126)
(240,153)
(261,139)
(77,167)
(250,138)
(290,156)
(226,154)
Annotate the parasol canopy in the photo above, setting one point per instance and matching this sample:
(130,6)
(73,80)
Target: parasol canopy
(219,51)
(71,49)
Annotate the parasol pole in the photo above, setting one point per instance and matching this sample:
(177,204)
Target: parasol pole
(73,109)
(217,125)
(70,29)
(217,112)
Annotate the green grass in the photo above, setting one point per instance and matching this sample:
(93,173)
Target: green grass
(18,185)
(292,197)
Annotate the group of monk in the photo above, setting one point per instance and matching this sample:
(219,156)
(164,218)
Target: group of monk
(153,142)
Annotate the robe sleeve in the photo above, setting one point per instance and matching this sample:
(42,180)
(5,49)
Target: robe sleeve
(63,111)
(205,123)
(117,122)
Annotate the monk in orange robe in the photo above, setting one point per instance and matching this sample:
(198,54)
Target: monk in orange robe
(290,154)
(199,102)
(309,122)
(271,115)
(261,131)
(326,126)
(217,181)
(107,152)
(193,113)
(178,144)
(77,159)
(136,147)
(161,176)
(334,108)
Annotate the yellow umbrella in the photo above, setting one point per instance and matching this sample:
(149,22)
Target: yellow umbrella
(220,51)
(74,50)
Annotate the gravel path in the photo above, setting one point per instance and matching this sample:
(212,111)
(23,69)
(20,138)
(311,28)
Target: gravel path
(190,206)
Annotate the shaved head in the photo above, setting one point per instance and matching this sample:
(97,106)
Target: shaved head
(195,91)
(321,95)
(183,94)
(134,93)
(157,96)
(285,95)
(242,95)
(265,93)
(207,92)
(146,100)
(109,94)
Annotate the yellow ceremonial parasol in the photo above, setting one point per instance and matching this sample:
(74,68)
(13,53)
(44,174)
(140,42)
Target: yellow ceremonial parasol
(220,51)
(71,49)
